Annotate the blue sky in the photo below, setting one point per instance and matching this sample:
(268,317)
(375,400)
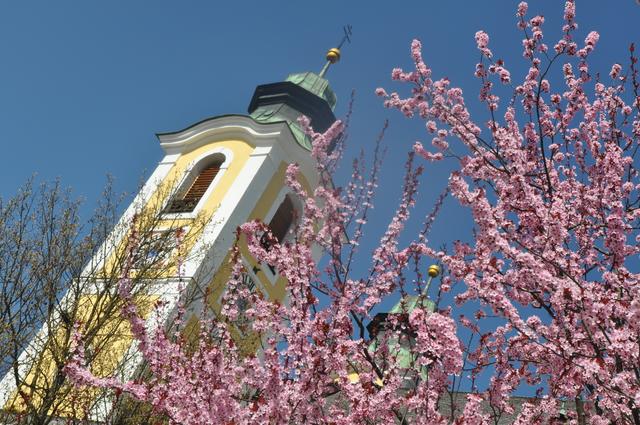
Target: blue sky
(85,85)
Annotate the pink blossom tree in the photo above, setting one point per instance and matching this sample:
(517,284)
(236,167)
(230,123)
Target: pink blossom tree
(550,179)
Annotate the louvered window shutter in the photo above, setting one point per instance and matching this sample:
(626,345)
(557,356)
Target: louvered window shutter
(201,183)
(196,191)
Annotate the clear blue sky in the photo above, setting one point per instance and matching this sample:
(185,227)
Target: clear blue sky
(84,85)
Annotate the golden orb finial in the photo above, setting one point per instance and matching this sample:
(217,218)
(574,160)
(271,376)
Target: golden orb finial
(433,270)
(333,55)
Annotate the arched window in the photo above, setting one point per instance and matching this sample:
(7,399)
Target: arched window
(280,224)
(195,187)
(282,219)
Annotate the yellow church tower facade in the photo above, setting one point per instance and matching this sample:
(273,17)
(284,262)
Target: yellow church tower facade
(222,171)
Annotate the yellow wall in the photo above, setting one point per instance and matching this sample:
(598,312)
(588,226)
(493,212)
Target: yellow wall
(110,343)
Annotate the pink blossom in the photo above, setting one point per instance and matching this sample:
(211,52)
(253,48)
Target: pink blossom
(419,149)
(522,9)
(482,41)
(381,92)
(615,70)
(592,38)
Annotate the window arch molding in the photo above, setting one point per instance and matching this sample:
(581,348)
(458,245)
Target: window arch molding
(191,173)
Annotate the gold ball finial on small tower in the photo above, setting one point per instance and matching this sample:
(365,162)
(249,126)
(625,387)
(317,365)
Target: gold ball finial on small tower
(433,270)
(333,55)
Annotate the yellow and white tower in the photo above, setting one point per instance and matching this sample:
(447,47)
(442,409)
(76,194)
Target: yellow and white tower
(227,170)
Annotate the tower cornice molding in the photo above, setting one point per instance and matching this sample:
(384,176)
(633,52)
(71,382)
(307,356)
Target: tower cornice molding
(224,127)
(239,127)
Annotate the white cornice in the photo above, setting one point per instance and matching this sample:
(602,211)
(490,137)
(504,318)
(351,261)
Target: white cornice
(222,128)
(240,127)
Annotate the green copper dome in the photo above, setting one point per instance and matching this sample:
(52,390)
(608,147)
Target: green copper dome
(300,94)
(316,85)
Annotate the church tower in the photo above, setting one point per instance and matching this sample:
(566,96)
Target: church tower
(215,175)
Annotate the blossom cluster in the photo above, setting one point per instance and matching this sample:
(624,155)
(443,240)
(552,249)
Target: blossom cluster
(553,190)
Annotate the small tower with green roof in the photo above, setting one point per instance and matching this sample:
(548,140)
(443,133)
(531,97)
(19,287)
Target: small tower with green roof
(393,329)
